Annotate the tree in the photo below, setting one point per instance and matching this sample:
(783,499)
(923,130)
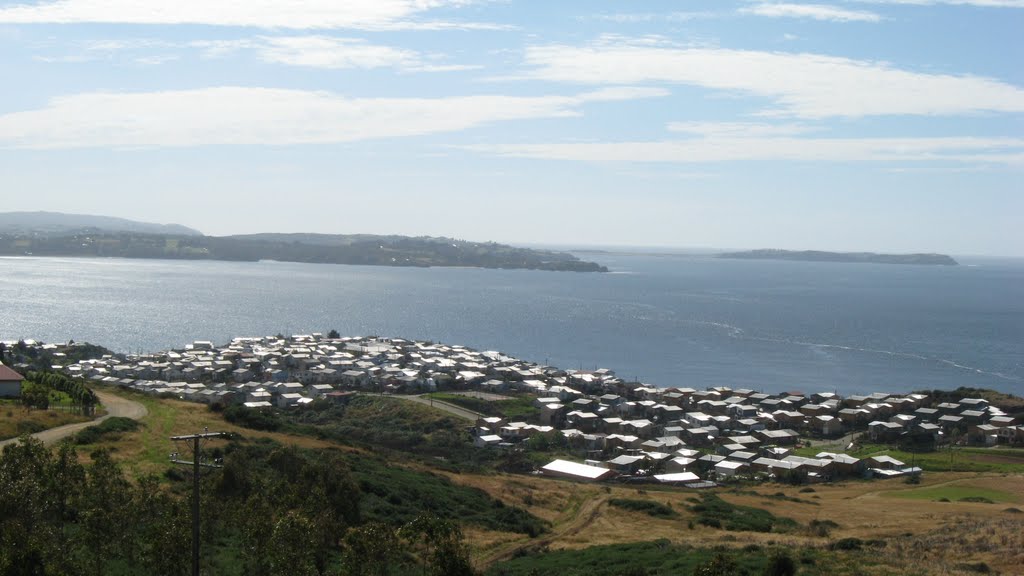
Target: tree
(445,553)
(333,334)
(289,551)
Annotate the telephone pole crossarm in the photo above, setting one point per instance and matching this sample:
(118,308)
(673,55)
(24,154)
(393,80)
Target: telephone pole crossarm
(197,464)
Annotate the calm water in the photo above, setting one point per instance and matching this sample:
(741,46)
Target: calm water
(670,321)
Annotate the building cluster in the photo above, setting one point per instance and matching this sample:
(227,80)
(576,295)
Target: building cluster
(683,435)
(620,428)
(290,372)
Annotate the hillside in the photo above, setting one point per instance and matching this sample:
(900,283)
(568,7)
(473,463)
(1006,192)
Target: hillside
(60,223)
(360,249)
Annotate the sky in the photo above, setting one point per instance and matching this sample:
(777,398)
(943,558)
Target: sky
(882,125)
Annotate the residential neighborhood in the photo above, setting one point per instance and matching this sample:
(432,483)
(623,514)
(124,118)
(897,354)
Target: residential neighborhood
(617,429)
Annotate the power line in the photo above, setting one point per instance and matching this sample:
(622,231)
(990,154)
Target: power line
(196,442)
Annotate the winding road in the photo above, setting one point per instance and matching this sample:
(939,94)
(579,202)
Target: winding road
(115,405)
(441,405)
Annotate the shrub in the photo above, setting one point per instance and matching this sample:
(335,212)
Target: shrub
(781,564)
(847,544)
(715,512)
(115,425)
(29,427)
(978,499)
(649,507)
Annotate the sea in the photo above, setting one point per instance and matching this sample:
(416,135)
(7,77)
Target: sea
(663,319)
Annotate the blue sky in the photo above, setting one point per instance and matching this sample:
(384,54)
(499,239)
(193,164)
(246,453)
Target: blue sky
(887,125)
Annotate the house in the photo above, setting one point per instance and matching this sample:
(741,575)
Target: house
(730,468)
(880,431)
(576,471)
(487,440)
(782,437)
(827,425)
(10,383)
(677,478)
(626,464)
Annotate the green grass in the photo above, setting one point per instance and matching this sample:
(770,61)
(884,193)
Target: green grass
(953,493)
(517,408)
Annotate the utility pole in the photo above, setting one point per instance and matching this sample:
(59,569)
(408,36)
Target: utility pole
(196,441)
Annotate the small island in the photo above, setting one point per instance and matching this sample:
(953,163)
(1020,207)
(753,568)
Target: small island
(843,257)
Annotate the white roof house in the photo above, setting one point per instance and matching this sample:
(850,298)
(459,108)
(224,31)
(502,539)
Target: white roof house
(576,471)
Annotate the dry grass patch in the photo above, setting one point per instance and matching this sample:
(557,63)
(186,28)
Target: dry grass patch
(16,420)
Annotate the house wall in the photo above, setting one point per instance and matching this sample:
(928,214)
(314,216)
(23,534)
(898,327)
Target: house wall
(10,389)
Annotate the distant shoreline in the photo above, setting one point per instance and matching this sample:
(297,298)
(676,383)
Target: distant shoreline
(843,257)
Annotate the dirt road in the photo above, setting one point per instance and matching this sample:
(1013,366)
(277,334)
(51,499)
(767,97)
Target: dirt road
(449,408)
(115,406)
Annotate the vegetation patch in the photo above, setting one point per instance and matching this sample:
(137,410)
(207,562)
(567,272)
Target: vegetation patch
(16,420)
(954,493)
(717,513)
(640,558)
(111,427)
(649,507)
(518,408)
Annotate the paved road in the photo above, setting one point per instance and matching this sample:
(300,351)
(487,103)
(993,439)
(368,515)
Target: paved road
(449,408)
(115,405)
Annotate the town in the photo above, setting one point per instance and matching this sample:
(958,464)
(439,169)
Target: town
(622,430)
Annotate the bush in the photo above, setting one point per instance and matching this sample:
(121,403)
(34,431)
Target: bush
(649,507)
(821,528)
(255,419)
(112,426)
(29,427)
(847,544)
(715,512)
(782,564)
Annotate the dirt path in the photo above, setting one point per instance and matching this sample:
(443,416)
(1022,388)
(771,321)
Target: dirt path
(587,513)
(449,408)
(115,406)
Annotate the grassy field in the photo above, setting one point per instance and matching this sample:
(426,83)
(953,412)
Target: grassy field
(15,420)
(962,459)
(922,534)
(956,493)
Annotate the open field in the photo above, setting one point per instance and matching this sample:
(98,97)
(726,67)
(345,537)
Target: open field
(890,526)
(15,420)
(918,533)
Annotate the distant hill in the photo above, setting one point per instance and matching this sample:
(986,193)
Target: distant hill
(364,249)
(60,223)
(846,257)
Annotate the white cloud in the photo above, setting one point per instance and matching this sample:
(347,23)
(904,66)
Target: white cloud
(980,3)
(726,148)
(257,116)
(802,85)
(298,14)
(739,129)
(814,11)
(332,52)
(644,17)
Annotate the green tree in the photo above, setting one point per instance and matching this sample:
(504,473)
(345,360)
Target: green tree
(371,550)
(289,551)
(444,550)
(102,533)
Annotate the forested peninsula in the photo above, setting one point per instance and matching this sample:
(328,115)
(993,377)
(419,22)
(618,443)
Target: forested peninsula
(362,249)
(845,257)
